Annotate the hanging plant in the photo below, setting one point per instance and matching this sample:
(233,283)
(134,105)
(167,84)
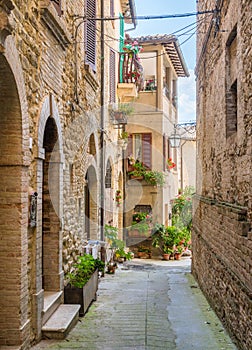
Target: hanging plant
(170,164)
(118,198)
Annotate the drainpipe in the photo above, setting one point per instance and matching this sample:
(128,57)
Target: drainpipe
(102,201)
(133,15)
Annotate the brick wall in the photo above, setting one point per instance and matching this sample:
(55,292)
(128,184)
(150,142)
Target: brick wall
(222,240)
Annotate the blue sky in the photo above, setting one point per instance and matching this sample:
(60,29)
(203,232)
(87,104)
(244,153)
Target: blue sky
(186,105)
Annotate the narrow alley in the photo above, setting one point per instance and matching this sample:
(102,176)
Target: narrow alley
(147,305)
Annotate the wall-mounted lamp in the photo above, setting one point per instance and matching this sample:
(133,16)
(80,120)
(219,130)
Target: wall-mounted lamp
(175,140)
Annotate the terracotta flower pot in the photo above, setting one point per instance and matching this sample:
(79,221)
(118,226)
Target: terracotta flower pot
(166,256)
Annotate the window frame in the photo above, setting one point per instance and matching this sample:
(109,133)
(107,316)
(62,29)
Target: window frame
(146,152)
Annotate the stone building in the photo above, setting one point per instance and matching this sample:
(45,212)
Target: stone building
(149,127)
(60,163)
(222,236)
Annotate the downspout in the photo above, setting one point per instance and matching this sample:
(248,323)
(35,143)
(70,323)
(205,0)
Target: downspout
(102,200)
(133,15)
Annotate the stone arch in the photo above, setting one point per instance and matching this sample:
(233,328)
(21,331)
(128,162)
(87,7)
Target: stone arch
(48,269)
(14,204)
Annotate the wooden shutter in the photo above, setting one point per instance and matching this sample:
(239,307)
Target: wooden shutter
(90,33)
(164,153)
(57,5)
(146,149)
(112,77)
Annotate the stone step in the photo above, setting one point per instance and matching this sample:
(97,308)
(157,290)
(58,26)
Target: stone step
(61,322)
(52,300)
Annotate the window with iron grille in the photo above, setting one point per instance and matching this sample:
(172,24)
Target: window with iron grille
(108,176)
(112,77)
(90,33)
(57,5)
(139,146)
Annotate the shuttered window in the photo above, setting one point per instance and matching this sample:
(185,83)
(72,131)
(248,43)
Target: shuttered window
(164,152)
(112,76)
(139,146)
(57,5)
(90,33)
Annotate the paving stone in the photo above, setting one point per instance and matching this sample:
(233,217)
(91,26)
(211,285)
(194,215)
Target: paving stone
(147,310)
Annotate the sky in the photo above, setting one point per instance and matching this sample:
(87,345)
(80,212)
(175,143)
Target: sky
(186,86)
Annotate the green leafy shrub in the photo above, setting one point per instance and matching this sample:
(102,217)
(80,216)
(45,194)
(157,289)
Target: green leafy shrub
(152,177)
(83,270)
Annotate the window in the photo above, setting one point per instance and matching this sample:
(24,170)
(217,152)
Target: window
(57,5)
(108,176)
(112,77)
(140,147)
(231,84)
(90,34)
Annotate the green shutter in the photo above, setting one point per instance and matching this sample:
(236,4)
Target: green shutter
(121,44)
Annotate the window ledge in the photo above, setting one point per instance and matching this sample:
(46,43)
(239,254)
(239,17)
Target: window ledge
(56,24)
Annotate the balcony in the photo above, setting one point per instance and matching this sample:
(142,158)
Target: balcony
(130,76)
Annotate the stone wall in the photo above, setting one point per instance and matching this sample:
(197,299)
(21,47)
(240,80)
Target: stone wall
(222,241)
(46,86)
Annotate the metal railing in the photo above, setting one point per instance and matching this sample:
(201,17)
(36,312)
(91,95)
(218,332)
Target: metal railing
(130,69)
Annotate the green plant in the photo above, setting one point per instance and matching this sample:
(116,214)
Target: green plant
(182,209)
(121,253)
(142,249)
(83,270)
(124,135)
(167,238)
(126,108)
(141,222)
(118,197)
(116,244)
(152,177)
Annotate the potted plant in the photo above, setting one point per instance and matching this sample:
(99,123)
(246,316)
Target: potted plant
(122,255)
(152,177)
(118,197)
(123,140)
(178,252)
(170,164)
(168,239)
(143,252)
(82,282)
(117,247)
(141,224)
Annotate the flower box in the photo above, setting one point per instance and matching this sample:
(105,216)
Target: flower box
(82,296)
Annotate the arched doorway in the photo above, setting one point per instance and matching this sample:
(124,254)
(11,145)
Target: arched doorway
(48,273)
(91,208)
(51,234)
(14,183)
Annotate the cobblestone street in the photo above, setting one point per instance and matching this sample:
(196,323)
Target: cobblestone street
(147,305)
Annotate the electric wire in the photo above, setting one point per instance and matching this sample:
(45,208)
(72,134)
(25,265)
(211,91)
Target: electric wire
(198,23)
